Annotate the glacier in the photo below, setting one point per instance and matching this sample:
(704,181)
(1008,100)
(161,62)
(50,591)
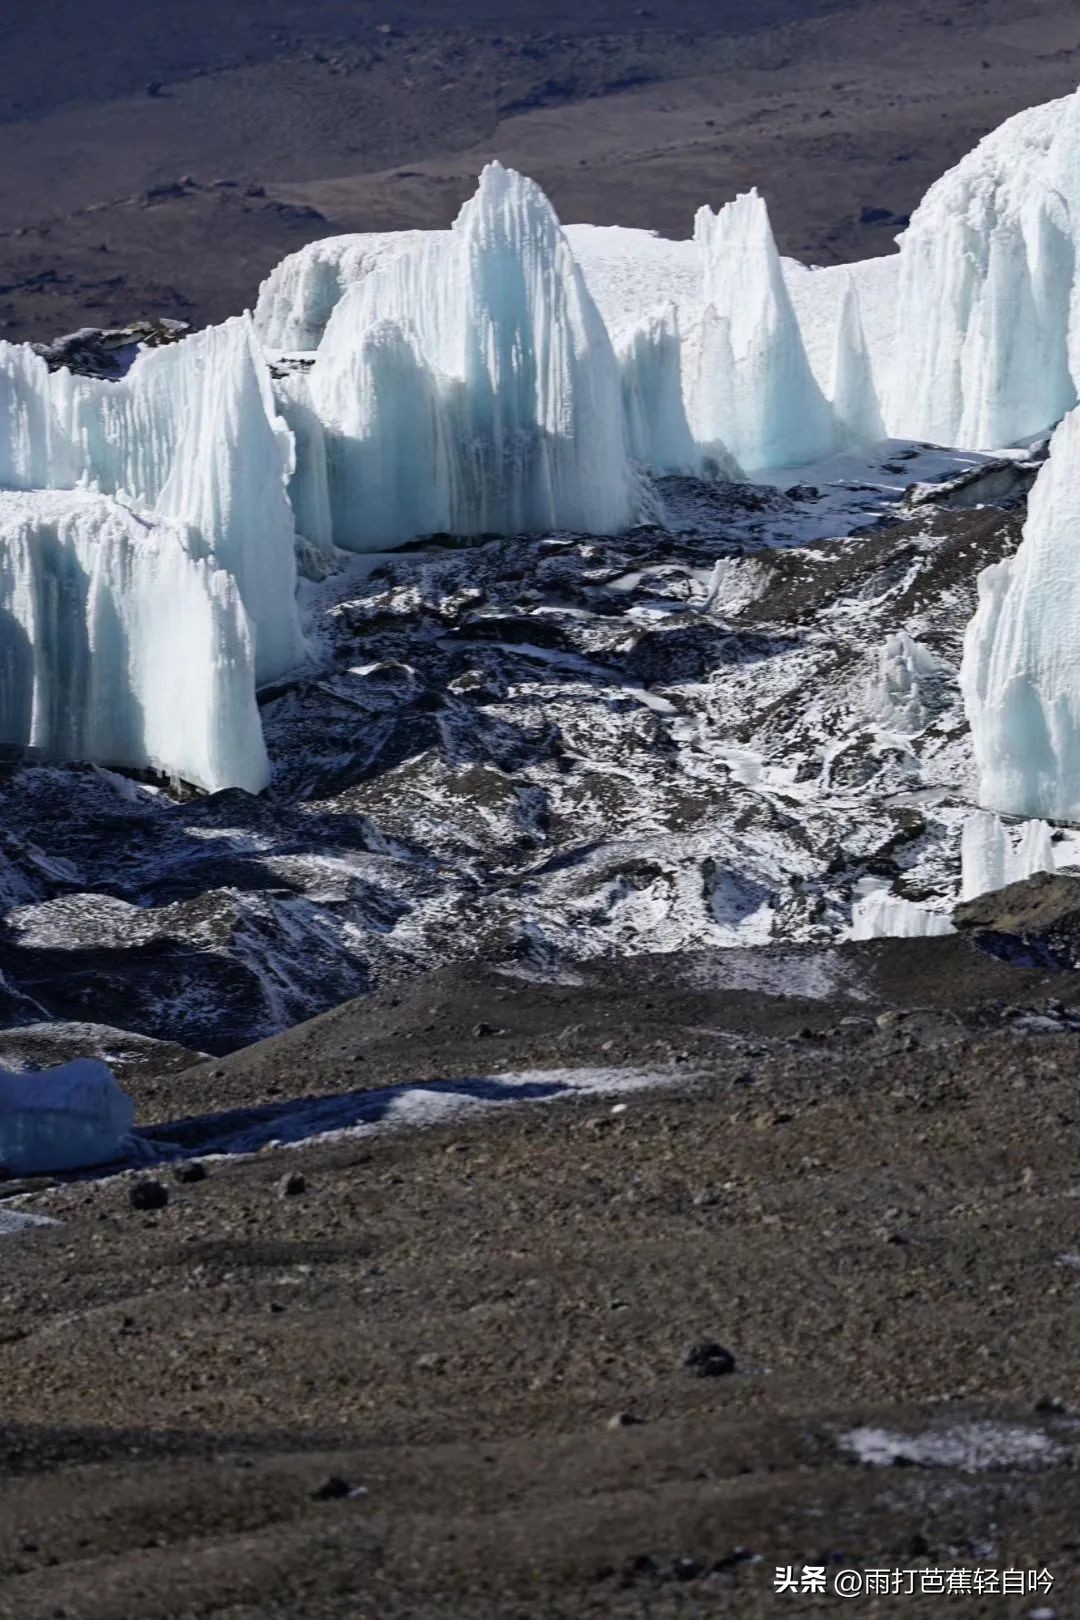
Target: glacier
(74,1117)
(755,392)
(511,376)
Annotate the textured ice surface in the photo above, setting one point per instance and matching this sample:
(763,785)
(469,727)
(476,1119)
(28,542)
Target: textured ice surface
(880,915)
(62,1119)
(902,696)
(468,385)
(1021,668)
(650,362)
(121,643)
(190,433)
(988,336)
(993,855)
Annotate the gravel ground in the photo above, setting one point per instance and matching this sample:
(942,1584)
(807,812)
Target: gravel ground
(484,1331)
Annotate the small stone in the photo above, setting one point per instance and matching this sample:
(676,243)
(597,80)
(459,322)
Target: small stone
(333,1489)
(431,1361)
(623,1420)
(149,1195)
(481,1031)
(707,1198)
(189,1170)
(710,1360)
(291,1185)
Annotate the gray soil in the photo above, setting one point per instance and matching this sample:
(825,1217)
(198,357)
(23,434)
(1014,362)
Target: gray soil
(159,161)
(482,1327)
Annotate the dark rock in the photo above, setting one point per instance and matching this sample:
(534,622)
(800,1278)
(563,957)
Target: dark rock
(190,1170)
(292,1185)
(624,1420)
(710,1360)
(332,1489)
(149,1195)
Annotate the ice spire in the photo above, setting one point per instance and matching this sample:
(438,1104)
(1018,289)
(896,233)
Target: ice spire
(854,397)
(521,371)
(777,415)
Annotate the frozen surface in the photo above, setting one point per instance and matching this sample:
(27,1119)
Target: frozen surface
(421,1105)
(904,693)
(1021,668)
(650,362)
(121,643)
(62,1119)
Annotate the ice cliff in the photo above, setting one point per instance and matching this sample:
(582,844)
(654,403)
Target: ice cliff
(1021,667)
(69,1118)
(121,642)
(988,341)
(755,392)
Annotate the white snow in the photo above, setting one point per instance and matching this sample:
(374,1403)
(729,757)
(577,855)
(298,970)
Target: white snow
(972,1448)
(69,1118)
(1021,668)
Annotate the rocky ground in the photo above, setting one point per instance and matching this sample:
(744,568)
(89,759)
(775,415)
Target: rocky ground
(160,163)
(540,753)
(466,1357)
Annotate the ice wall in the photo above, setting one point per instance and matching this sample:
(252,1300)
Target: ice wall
(68,1118)
(299,296)
(476,362)
(650,365)
(122,644)
(1020,674)
(988,338)
(852,392)
(191,433)
(881,915)
(992,855)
